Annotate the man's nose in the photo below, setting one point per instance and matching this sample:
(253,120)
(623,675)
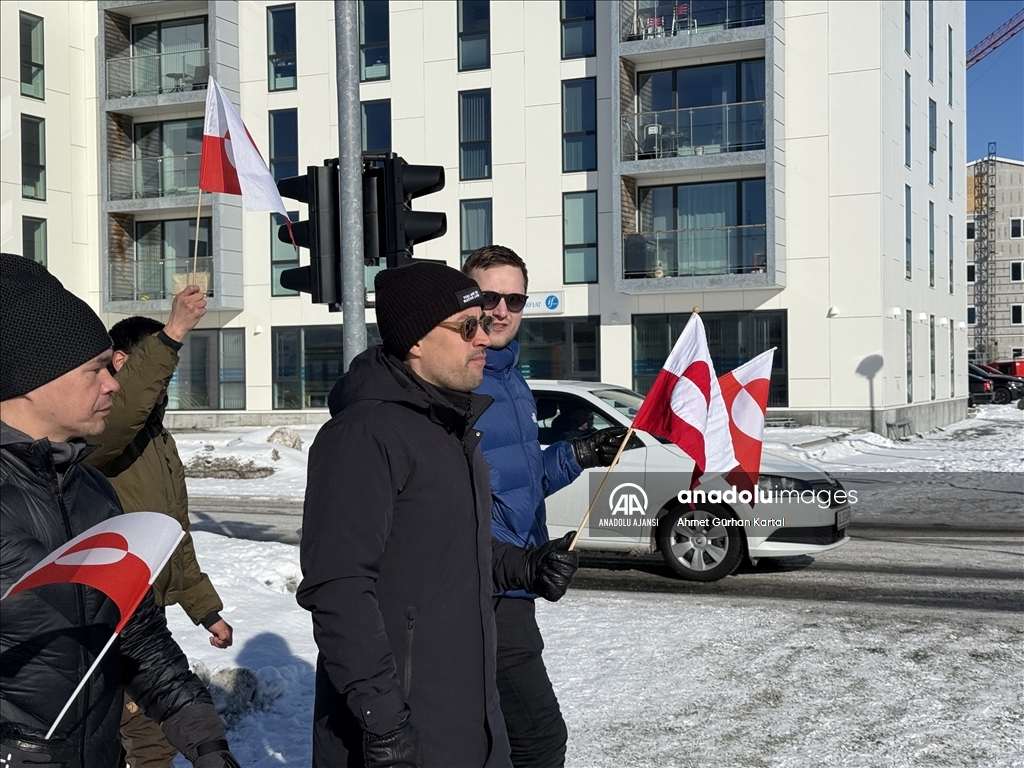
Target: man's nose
(481,338)
(110,384)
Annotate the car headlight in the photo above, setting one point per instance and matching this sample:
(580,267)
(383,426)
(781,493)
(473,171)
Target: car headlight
(776,483)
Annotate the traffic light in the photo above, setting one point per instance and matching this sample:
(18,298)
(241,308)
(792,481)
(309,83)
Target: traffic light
(319,188)
(391,227)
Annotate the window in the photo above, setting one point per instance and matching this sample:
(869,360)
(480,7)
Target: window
(377,126)
(210,373)
(284,144)
(971,315)
(32,78)
(281,62)
(1016,317)
(1016,267)
(908,230)
(167,157)
(475,225)
(33,239)
(374,40)
(1016,352)
(579,125)
(910,356)
(949,65)
(33,157)
(949,161)
(906,119)
(970,274)
(282,255)
(931,349)
(560,348)
(474,34)
(949,251)
(474,135)
(906,26)
(931,244)
(733,339)
(163,260)
(579,237)
(307,362)
(970,230)
(578,39)
(568,417)
(167,57)
(931,43)
(1016,227)
(933,140)
(952,360)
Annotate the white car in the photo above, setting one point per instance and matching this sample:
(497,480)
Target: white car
(640,509)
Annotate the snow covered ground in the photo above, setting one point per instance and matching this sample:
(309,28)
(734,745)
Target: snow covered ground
(918,662)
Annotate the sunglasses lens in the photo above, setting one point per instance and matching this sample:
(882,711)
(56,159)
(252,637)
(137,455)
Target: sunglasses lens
(491,299)
(515,302)
(487,322)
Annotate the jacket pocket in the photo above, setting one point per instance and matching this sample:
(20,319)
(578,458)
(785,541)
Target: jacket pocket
(410,631)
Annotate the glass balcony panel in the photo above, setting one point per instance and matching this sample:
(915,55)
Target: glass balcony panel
(667,18)
(158,279)
(696,131)
(152,177)
(738,250)
(155,74)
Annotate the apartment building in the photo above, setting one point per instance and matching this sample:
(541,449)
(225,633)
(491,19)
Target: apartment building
(795,169)
(1004,181)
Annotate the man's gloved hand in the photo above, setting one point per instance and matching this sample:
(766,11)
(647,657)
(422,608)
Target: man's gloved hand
(198,733)
(549,569)
(216,755)
(399,748)
(598,449)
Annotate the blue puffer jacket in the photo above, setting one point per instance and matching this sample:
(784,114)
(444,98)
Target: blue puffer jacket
(522,474)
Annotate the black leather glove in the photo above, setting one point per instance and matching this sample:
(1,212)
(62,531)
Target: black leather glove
(399,748)
(549,569)
(198,733)
(215,755)
(598,449)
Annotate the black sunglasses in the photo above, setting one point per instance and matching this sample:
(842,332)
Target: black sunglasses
(514,301)
(467,328)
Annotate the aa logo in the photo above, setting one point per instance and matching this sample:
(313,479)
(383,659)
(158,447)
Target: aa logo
(627,499)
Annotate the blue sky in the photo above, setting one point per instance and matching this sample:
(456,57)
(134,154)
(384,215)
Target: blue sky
(995,85)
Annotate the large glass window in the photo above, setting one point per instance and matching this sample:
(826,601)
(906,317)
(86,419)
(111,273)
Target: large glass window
(949,65)
(475,226)
(910,355)
(949,249)
(579,125)
(931,244)
(166,161)
(578,38)
(33,157)
(374,40)
(907,234)
(474,34)
(933,139)
(164,259)
(658,18)
(32,56)
(579,237)
(906,119)
(282,74)
(307,363)
(931,45)
(952,360)
(688,230)
(733,339)
(210,373)
(282,255)
(949,163)
(906,26)
(931,347)
(971,315)
(33,239)
(167,56)
(560,348)
(474,135)
(284,143)
(377,126)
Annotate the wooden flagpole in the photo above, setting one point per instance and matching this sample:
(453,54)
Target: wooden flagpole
(586,517)
(195,249)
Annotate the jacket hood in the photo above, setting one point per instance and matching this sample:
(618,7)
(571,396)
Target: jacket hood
(505,359)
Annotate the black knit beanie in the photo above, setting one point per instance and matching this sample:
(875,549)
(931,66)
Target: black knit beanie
(412,300)
(45,330)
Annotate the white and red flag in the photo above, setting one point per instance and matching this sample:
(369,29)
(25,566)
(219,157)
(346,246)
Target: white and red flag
(745,391)
(231,163)
(685,404)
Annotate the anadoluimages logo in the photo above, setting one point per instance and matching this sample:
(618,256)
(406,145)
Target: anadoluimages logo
(626,499)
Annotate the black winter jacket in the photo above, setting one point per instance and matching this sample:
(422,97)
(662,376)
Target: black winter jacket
(398,571)
(50,635)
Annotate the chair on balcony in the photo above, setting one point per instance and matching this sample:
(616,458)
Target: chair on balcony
(681,19)
(200,76)
(655,27)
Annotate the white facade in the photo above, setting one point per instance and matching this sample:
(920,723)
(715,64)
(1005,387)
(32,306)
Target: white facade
(832,157)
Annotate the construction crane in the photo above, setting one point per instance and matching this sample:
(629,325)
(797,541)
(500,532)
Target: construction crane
(997,38)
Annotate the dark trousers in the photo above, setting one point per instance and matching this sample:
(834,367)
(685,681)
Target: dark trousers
(536,730)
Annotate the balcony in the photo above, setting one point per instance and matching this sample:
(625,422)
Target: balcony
(158,279)
(154,177)
(710,130)
(657,18)
(737,250)
(158,74)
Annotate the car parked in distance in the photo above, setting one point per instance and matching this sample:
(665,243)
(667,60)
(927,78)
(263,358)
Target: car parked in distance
(708,541)
(979,390)
(1013,367)
(1005,388)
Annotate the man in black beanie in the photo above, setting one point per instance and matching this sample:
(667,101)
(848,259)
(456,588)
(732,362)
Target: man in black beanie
(55,389)
(397,557)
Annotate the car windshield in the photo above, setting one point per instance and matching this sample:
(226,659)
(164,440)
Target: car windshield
(625,401)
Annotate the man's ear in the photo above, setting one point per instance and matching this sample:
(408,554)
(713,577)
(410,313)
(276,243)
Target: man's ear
(118,359)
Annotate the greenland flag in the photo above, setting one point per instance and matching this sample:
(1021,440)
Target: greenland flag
(231,163)
(685,404)
(120,557)
(745,391)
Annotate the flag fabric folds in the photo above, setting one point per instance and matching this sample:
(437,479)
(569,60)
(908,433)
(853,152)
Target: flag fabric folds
(685,404)
(745,392)
(121,557)
(231,163)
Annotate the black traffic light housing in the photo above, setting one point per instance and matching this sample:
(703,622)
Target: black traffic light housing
(321,234)
(391,227)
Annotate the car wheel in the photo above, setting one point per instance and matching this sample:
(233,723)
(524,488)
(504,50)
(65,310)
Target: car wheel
(699,552)
(1002,396)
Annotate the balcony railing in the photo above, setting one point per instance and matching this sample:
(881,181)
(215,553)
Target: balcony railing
(159,73)
(661,18)
(158,279)
(738,250)
(698,131)
(151,177)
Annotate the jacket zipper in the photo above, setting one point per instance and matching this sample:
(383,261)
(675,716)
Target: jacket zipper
(410,630)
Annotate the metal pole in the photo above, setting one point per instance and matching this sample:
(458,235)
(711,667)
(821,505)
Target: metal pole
(350,172)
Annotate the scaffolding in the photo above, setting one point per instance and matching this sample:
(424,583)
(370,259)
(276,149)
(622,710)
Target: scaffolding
(984,253)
